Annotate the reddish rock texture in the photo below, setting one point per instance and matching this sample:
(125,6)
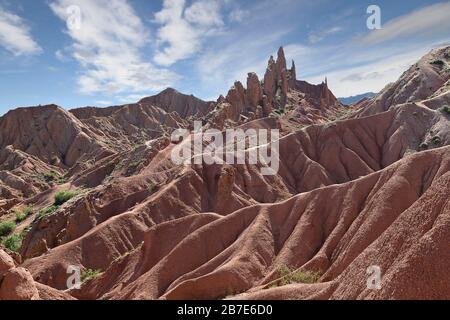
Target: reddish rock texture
(18,284)
(356,187)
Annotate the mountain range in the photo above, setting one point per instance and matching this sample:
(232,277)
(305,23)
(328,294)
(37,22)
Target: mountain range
(359,187)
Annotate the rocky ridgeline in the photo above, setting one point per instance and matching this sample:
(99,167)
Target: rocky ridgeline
(261,98)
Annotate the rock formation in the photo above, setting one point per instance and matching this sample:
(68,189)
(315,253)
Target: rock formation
(356,187)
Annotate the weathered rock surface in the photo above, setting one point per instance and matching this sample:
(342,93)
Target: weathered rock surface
(357,187)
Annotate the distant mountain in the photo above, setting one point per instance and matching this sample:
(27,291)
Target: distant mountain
(355,99)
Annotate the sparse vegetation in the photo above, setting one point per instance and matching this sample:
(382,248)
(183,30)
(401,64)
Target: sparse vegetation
(423,146)
(152,187)
(436,140)
(47,211)
(288,276)
(53,176)
(7,227)
(50,176)
(21,215)
(445,109)
(64,196)
(132,167)
(89,274)
(13,242)
(438,62)
(138,146)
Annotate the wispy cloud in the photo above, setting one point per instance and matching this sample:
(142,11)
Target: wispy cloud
(108,46)
(428,20)
(362,78)
(183,29)
(15,35)
(317,36)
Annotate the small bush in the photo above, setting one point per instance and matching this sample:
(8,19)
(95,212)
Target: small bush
(437,62)
(50,176)
(436,140)
(54,177)
(89,274)
(445,109)
(13,242)
(47,211)
(64,196)
(290,277)
(423,146)
(153,187)
(133,167)
(21,215)
(6,228)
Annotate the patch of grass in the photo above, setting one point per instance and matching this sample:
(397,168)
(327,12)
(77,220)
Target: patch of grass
(53,176)
(46,212)
(132,167)
(288,276)
(445,109)
(13,242)
(50,176)
(64,196)
(90,274)
(7,227)
(21,215)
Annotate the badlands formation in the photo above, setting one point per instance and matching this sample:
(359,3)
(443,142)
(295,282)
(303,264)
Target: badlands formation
(358,187)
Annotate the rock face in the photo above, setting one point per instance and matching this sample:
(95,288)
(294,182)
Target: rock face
(352,191)
(254,91)
(49,133)
(18,284)
(279,91)
(171,100)
(428,79)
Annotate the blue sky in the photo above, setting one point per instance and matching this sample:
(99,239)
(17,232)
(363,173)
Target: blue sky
(124,50)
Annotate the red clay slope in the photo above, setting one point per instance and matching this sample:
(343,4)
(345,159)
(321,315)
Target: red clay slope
(338,231)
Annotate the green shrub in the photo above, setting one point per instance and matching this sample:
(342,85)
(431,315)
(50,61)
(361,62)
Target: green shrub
(437,62)
(21,215)
(13,242)
(89,274)
(289,277)
(133,167)
(64,196)
(47,211)
(436,140)
(53,176)
(50,176)
(445,109)
(6,228)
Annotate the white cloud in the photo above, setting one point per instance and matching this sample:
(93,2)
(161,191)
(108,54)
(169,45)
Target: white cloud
(108,46)
(238,15)
(183,29)
(132,98)
(317,36)
(205,13)
(103,103)
(358,79)
(428,20)
(15,35)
